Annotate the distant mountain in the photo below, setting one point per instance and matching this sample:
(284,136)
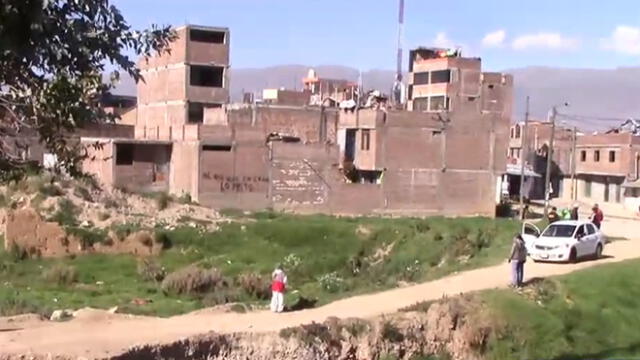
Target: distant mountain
(594,94)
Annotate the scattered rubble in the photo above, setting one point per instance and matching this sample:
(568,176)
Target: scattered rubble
(51,217)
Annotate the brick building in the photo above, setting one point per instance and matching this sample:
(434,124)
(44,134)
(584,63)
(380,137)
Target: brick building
(538,138)
(608,169)
(184,139)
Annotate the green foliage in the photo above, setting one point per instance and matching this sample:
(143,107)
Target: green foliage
(239,308)
(162,237)
(162,200)
(83,193)
(356,327)
(185,199)
(391,333)
(150,269)
(309,334)
(331,282)
(16,253)
(422,306)
(50,190)
(194,280)
(88,236)
(13,303)
(67,213)
(53,92)
(4,200)
(245,253)
(61,274)
(126,229)
(591,314)
(231,213)
(255,285)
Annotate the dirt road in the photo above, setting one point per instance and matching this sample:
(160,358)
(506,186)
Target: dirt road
(105,335)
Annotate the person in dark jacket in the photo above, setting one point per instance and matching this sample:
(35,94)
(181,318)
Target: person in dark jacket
(574,212)
(553,215)
(517,258)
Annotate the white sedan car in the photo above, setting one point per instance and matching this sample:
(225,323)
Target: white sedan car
(563,241)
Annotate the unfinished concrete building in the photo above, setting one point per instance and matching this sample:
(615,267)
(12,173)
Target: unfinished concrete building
(535,155)
(306,158)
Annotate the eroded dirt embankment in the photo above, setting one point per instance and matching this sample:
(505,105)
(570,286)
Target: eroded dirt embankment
(458,327)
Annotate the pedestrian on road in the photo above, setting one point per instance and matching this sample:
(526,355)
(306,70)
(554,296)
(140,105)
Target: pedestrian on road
(597,216)
(278,288)
(574,212)
(517,258)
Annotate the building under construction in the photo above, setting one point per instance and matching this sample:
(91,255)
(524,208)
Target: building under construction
(446,156)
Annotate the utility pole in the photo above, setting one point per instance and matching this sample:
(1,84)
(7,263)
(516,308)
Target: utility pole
(574,160)
(547,177)
(523,157)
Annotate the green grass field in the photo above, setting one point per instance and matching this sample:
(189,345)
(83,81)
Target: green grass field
(326,258)
(591,314)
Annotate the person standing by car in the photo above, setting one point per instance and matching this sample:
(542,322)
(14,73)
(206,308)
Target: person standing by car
(278,287)
(517,258)
(553,215)
(574,212)
(597,216)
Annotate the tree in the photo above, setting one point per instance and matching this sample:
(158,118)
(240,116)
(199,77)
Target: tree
(52,57)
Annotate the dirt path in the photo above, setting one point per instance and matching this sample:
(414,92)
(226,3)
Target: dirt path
(102,336)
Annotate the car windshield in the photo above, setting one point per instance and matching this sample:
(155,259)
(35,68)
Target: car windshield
(559,231)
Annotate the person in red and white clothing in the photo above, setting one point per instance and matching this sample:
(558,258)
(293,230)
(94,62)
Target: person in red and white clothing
(278,288)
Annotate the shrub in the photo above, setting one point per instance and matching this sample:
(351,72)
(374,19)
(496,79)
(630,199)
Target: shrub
(220,296)
(13,304)
(162,200)
(411,271)
(423,226)
(391,333)
(4,202)
(50,190)
(309,334)
(61,275)
(331,282)
(422,306)
(162,237)
(255,285)
(291,262)
(67,213)
(82,193)
(110,203)
(88,237)
(17,253)
(193,280)
(151,270)
(124,230)
(91,182)
(239,308)
(185,199)
(104,216)
(231,212)
(356,327)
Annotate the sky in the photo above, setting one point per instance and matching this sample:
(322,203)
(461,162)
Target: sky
(507,34)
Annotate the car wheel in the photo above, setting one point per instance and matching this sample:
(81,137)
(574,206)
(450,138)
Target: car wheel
(573,256)
(598,253)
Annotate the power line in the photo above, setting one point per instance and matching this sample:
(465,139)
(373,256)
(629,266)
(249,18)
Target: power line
(593,118)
